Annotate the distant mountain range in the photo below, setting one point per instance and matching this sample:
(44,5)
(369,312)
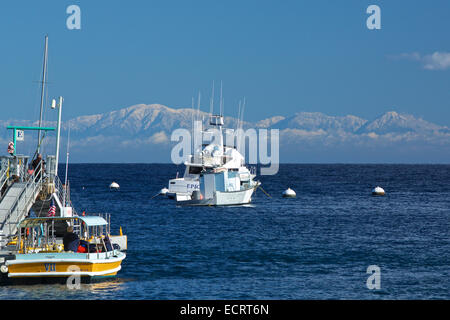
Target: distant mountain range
(141,133)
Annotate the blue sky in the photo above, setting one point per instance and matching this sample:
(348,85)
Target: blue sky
(284,56)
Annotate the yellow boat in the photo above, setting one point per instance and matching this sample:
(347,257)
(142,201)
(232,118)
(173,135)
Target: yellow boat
(40,255)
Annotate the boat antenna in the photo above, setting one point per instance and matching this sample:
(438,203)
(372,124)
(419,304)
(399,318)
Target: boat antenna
(237,142)
(198,105)
(223,106)
(221,100)
(211,106)
(44,74)
(192,132)
(239,116)
(241,122)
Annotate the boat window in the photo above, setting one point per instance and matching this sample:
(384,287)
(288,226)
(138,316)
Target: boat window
(195,170)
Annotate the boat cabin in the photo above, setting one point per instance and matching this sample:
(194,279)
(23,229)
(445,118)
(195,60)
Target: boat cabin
(46,234)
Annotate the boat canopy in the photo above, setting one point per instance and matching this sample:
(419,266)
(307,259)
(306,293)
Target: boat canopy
(90,221)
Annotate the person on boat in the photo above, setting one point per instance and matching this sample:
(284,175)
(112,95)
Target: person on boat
(38,163)
(108,244)
(71,241)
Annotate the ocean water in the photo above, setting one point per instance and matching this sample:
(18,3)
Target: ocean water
(316,246)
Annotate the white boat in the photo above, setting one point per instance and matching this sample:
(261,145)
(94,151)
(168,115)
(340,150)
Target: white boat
(216,173)
(223,178)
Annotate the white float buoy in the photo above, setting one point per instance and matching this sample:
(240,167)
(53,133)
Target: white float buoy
(114,185)
(4,268)
(289,193)
(378,191)
(163,191)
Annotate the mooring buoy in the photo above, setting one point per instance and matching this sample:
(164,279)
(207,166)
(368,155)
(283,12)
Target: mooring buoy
(378,191)
(289,193)
(114,185)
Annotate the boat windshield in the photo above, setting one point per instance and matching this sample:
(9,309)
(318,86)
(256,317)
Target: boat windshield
(195,170)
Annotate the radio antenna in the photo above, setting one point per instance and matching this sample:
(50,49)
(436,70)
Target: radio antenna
(211,106)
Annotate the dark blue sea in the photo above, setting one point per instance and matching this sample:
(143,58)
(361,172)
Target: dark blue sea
(316,246)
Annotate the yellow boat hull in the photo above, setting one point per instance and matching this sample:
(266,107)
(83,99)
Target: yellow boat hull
(86,266)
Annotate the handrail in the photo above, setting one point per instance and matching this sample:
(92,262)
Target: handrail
(60,188)
(61,191)
(31,182)
(34,186)
(3,178)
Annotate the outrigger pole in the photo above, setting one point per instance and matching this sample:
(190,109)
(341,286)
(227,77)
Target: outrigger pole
(44,73)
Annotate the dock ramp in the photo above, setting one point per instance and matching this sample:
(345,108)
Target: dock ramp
(16,201)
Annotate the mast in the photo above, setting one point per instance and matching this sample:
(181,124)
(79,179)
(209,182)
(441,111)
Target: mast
(58,133)
(211,107)
(223,107)
(239,116)
(44,74)
(192,132)
(242,114)
(221,101)
(198,106)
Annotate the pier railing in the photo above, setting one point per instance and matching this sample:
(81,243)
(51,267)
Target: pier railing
(24,199)
(3,176)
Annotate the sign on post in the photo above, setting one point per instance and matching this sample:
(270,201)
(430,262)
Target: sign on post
(20,135)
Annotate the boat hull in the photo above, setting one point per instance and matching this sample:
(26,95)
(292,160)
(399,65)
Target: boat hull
(58,268)
(231,198)
(6,281)
(183,186)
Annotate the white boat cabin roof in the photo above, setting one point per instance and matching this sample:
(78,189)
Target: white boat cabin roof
(90,221)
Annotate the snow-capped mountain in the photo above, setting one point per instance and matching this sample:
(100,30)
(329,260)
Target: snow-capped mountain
(145,131)
(139,119)
(312,121)
(393,122)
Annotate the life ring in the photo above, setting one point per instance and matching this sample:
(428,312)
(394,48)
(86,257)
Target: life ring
(11,147)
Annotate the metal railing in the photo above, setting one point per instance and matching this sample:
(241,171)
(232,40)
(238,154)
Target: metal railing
(20,206)
(3,175)
(60,190)
(63,194)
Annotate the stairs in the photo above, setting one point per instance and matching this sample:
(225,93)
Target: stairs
(3,240)
(15,205)
(22,190)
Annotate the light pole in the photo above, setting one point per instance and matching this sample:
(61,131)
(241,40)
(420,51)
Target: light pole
(58,131)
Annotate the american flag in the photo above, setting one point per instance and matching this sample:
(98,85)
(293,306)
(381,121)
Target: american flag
(51,210)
